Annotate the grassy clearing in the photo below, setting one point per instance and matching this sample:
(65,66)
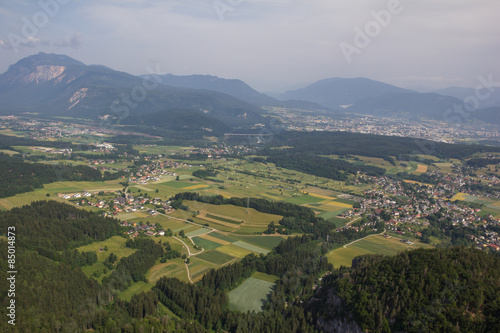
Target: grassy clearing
(251,295)
(266,242)
(265,277)
(135,288)
(165,269)
(215,257)
(115,244)
(9,152)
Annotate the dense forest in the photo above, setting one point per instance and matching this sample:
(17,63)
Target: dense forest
(345,143)
(17,176)
(322,166)
(439,290)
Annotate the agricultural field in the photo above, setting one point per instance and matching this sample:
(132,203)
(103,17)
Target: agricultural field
(215,257)
(252,294)
(375,244)
(238,219)
(265,242)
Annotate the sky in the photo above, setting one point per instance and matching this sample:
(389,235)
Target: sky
(272,45)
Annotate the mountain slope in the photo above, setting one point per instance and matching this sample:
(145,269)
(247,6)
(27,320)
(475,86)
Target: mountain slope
(233,87)
(491,95)
(336,92)
(408,104)
(58,85)
(180,120)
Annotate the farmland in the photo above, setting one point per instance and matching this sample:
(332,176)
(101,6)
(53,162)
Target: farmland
(252,294)
(375,244)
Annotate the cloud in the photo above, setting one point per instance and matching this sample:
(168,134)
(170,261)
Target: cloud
(16,42)
(74,41)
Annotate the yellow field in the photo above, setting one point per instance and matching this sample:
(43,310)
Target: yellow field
(415,182)
(195,187)
(459,196)
(422,168)
(234,250)
(214,239)
(337,204)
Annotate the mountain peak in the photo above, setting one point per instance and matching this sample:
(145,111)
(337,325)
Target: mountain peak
(39,68)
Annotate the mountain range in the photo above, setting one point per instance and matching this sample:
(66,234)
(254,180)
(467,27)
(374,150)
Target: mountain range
(57,85)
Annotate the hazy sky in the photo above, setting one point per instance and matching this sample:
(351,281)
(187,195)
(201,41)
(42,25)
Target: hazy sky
(272,45)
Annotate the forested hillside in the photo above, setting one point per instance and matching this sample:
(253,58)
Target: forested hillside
(439,290)
(17,176)
(345,143)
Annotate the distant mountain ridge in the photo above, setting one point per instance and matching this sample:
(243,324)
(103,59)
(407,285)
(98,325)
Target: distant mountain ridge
(53,84)
(235,88)
(337,92)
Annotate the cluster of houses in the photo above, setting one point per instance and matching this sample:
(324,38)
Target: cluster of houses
(400,205)
(137,229)
(154,171)
(75,195)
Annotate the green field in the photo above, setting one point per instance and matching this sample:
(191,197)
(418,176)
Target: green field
(250,247)
(115,244)
(223,237)
(223,219)
(58,187)
(170,268)
(250,296)
(205,243)
(266,242)
(135,288)
(375,244)
(234,250)
(304,199)
(215,257)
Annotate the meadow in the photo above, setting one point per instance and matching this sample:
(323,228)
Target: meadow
(252,294)
(375,244)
